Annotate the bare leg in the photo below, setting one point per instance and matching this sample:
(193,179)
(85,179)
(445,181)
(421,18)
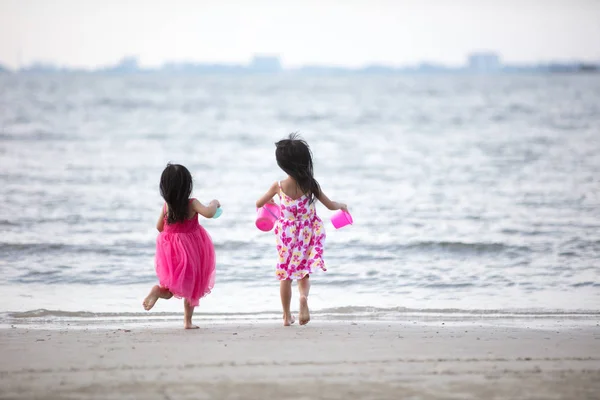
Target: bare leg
(304,288)
(155,293)
(187,315)
(285,291)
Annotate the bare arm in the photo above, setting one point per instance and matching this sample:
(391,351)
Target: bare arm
(206,211)
(160,224)
(268,197)
(332,205)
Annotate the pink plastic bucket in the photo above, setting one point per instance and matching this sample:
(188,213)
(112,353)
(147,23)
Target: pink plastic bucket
(266,216)
(341,219)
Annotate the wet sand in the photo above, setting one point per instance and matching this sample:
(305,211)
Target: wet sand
(323,360)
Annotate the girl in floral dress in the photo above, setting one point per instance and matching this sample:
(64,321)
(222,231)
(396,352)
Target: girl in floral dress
(300,232)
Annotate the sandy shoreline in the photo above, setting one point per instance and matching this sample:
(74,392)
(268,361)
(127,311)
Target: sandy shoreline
(329,360)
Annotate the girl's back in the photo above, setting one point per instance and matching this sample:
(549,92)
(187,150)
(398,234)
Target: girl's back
(185,259)
(296,207)
(186,226)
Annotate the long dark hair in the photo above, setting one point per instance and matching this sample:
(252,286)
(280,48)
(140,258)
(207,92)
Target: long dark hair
(295,159)
(176,187)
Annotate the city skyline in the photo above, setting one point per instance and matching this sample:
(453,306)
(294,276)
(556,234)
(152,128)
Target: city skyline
(479,62)
(92,34)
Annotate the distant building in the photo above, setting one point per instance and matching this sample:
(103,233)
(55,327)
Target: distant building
(322,70)
(426,67)
(484,62)
(127,64)
(202,68)
(377,69)
(265,64)
(40,67)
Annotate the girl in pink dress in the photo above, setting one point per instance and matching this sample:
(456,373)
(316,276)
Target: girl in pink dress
(185,254)
(299,231)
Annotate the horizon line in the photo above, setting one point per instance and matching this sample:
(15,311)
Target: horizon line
(183,66)
(133,61)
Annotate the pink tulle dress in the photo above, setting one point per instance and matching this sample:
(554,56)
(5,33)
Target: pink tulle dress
(185,260)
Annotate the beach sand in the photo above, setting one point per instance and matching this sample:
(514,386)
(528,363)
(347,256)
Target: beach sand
(323,360)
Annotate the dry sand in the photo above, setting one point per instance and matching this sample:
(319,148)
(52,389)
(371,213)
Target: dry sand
(324,360)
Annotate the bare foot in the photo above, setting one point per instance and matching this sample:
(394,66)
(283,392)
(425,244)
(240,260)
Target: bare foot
(289,320)
(189,325)
(304,314)
(150,300)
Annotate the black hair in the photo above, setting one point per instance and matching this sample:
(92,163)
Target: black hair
(295,159)
(176,187)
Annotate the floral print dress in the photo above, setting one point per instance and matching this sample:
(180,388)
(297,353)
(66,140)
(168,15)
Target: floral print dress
(300,238)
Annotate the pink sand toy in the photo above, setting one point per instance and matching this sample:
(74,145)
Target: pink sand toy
(266,216)
(341,219)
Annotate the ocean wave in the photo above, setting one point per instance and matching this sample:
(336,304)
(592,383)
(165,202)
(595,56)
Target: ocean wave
(584,284)
(348,311)
(5,222)
(35,136)
(433,245)
(41,247)
(91,278)
(361,250)
(128,104)
(450,311)
(478,247)
(125,249)
(449,285)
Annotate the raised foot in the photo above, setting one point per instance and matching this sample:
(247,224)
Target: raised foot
(304,314)
(150,300)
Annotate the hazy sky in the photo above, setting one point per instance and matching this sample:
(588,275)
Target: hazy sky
(88,33)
